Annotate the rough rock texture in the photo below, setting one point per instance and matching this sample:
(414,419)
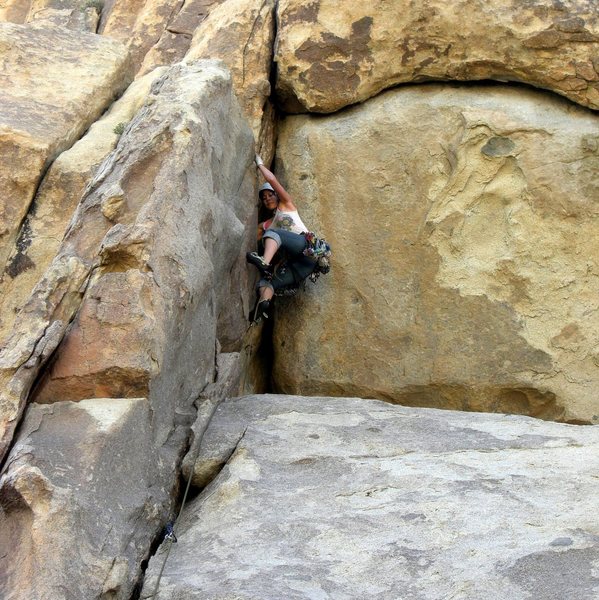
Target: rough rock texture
(138,23)
(227,385)
(347,498)
(55,202)
(164,219)
(464,227)
(176,38)
(241,33)
(81,15)
(69,80)
(79,502)
(331,54)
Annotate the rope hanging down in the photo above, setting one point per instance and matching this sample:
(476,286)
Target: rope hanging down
(170,537)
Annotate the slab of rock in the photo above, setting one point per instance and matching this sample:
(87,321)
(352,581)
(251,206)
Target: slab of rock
(70,79)
(138,23)
(162,223)
(176,38)
(80,15)
(80,501)
(464,227)
(330,55)
(58,195)
(349,498)
(241,33)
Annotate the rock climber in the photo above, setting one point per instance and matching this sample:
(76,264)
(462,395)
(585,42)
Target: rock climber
(304,254)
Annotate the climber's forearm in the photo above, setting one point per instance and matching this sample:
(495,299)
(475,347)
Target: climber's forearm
(285,200)
(268,175)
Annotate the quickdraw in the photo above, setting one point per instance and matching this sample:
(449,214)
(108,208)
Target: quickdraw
(319,250)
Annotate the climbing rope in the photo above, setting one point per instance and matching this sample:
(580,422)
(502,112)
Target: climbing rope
(170,537)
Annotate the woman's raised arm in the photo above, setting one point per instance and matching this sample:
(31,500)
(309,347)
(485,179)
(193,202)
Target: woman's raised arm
(285,201)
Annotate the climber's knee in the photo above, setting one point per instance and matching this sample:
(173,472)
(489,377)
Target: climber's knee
(273,235)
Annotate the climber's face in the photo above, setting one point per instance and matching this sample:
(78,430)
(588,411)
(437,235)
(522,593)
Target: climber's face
(269,199)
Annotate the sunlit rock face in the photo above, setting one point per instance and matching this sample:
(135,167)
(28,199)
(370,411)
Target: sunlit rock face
(349,498)
(464,224)
(139,24)
(70,78)
(331,54)
(79,15)
(57,198)
(137,271)
(241,34)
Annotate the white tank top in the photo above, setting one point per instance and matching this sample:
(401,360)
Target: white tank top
(289,221)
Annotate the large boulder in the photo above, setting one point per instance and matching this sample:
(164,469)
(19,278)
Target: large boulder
(56,199)
(464,227)
(330,55)
(80,15)
(69,80)
(241,33)
(145,272)
(350,498)
(79,502)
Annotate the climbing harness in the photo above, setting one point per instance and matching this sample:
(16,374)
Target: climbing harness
(316,247)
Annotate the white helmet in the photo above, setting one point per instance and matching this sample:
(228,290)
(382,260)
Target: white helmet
(265,186)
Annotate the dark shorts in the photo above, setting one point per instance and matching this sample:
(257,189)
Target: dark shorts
(295,267)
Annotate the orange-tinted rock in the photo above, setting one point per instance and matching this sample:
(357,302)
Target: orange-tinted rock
(463,223)
(139,24)
(55,202)
(241,34)
(70,79)
(176,38)
(330,55)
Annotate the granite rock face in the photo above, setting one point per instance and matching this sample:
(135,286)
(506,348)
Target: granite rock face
(332,54)
(79,503)
(348,498)
(464,228)
(241,33)
(139,24)
(79,15)
(57,198)
(164,217)
(177,36)
(69,80)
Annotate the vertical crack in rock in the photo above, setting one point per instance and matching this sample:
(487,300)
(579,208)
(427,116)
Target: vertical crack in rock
(187,492)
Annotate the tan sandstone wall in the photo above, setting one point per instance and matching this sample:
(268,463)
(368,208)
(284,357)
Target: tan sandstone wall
(70,79)
(464,225)
(330,54)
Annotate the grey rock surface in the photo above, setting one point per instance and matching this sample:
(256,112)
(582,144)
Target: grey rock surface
(343,498)
(140,276)
(77,500)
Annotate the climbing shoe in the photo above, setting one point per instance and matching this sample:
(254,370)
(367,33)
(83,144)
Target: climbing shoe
(261,311)
(255,259)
